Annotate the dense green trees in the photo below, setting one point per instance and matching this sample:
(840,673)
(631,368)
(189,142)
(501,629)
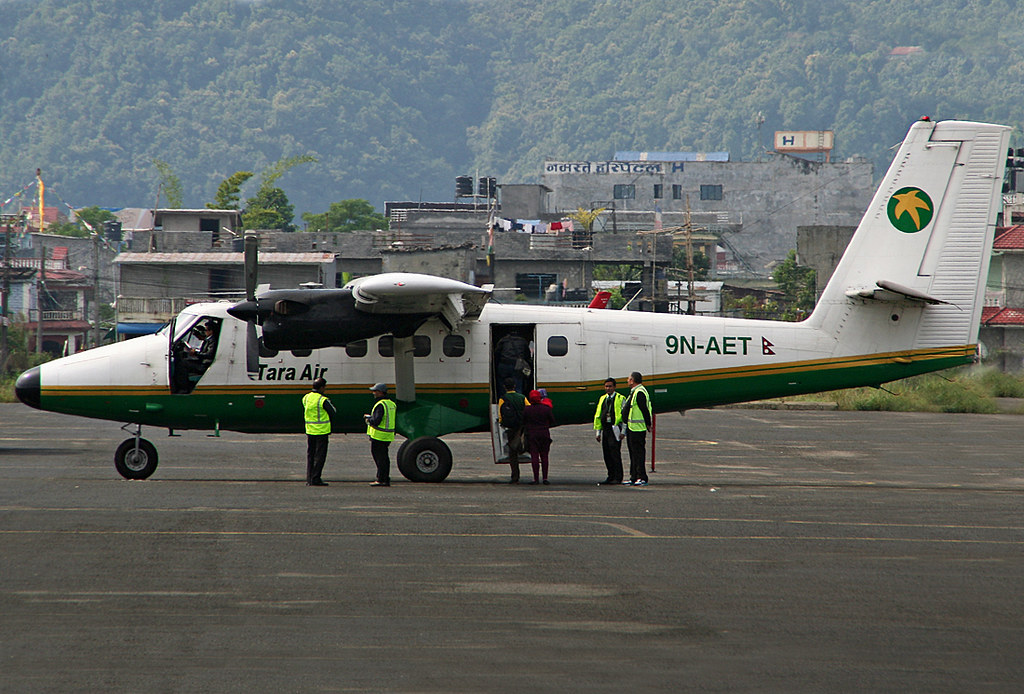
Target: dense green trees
(393,98)
(347,215)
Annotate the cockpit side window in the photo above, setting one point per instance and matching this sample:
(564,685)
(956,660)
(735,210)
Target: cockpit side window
(193,352)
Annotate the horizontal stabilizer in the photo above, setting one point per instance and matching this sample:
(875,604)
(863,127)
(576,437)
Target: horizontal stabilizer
(884,290)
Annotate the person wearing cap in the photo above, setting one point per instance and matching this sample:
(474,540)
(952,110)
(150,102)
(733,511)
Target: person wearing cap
(380,427)
(318,412)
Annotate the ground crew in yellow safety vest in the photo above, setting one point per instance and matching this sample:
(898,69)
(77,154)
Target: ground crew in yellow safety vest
(317,410)
(608,425)
(636,410)
(380,427)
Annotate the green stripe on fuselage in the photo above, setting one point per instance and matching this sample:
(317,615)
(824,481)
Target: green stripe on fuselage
(439,413)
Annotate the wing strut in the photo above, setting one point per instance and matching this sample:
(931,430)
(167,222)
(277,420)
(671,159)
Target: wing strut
(405,376)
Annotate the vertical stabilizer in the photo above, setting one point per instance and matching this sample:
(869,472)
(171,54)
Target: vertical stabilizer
(914,272)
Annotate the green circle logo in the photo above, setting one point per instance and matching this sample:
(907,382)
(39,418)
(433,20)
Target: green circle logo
(910,210)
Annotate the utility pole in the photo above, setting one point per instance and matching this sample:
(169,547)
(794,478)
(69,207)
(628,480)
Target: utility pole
(96,289)
(691,298)
(40,280)
(4,349)
(42,189)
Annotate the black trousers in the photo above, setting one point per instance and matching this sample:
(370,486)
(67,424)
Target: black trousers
(612,449)
(316,455)
(636,442)
(379,451)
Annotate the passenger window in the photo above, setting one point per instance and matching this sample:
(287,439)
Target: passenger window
(558,346)
(454,346)
(356,349)
(420,346)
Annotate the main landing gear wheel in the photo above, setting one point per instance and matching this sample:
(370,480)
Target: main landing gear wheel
(135,463)
(426,459)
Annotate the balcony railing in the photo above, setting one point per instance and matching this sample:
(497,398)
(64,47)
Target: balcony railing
(62,315)
(151,306)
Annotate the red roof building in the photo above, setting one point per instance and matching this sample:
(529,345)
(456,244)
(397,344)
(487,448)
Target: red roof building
(1009,238)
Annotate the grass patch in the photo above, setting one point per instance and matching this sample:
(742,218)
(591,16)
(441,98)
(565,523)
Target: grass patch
(7,388)
(966,389)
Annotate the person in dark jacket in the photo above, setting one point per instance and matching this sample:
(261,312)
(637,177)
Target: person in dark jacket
(538,420)
(636,413)
(318,412)
(510,417)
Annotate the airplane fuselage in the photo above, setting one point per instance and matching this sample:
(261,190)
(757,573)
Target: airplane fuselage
(686,362)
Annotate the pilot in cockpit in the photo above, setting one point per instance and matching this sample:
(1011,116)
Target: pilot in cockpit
(193,356)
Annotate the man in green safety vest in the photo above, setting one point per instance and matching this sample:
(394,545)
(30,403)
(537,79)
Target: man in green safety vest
(608,426)
(636,410)
(380,427)
(318,411)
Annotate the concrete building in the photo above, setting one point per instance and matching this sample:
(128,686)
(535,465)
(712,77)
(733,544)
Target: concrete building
(756,206)
(161,228)
(51,293)
(1002,319)
(153,287)
(820,248)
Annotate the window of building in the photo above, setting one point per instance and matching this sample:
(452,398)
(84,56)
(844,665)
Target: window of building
(708,192)
(386,346)
(558,346)
(534,284)
(356,349)
(658,188)
(453,346)
(220,280)
(624,191)
(677,191)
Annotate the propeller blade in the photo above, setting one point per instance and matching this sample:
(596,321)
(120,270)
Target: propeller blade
(251,249)
(252,344)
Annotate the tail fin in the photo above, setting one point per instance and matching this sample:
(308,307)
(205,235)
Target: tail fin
(914,272)
(600,299)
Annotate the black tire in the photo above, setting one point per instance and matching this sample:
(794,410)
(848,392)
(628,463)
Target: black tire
(426,459)
(134,465)
(401,452)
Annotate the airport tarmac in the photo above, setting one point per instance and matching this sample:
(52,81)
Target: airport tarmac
(774,551)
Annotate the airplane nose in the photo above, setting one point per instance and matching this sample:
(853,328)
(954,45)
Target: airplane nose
(27,387)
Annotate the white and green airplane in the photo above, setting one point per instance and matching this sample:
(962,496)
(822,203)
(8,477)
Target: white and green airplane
(905,299)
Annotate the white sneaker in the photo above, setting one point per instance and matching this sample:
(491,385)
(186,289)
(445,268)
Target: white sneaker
(640,483)
(627,482)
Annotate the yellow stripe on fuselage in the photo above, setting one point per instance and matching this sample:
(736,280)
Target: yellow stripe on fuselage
(666,379)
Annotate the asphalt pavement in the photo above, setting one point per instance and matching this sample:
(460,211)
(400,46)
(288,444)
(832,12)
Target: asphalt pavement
(774,551)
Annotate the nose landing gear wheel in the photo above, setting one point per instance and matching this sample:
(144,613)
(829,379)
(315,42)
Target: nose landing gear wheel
(426,459)
(135,463)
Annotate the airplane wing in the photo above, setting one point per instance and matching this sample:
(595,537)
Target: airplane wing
(409,293)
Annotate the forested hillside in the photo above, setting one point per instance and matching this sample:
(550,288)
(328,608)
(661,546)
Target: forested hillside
(394,99)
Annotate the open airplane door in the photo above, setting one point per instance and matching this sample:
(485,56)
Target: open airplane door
(170,353)
(512,356)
